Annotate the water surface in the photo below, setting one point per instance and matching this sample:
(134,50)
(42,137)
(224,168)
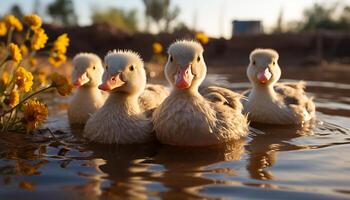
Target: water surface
(276,162)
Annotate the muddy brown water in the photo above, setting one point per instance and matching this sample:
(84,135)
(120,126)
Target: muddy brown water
(277,162)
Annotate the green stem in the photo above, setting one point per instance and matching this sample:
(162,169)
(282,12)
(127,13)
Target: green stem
(9,36)
(31,55)
(14,119)
(13,122)
(6,125)
(25,99)
(2,61)
(27,37)
(12,83)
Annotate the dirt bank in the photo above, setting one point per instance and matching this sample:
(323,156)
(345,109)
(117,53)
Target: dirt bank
(295,49)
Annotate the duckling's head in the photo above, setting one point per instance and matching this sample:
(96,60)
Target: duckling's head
(87,70)
(124,72)
(185,67)
(263,68)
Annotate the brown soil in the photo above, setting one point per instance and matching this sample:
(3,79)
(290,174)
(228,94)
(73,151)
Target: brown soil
(295,49)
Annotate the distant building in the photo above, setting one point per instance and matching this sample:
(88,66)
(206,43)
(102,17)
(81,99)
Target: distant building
(246,27)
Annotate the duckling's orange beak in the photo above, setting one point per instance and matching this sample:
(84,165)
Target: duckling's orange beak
(81,80)
(184,77)
(264,76)
(112,82)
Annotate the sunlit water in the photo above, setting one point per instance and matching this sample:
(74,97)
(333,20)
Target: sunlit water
(274,162)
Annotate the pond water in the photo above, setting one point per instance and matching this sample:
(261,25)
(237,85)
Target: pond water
(276,162)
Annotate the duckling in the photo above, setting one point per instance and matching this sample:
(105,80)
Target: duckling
(86,75)
(121,119)
(186,118)
(152,97)
(271,102)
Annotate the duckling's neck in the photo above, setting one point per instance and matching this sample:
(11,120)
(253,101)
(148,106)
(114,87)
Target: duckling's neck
(192,91)
(263,92)
(89,89)
(124,101)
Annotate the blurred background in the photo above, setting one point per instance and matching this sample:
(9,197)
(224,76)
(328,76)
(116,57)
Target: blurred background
(312,32)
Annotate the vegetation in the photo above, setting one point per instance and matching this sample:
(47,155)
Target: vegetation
(21,78)
(16,11)
(160,57)
(279,23)
(320,17)
(62,12)
(118,17)
(160,12)
(158,54)
(202,38)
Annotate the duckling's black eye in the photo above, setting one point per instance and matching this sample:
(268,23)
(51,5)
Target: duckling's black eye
(171,59)
(254,62)
(273,63)
(94,68)
(131,68)
(198,58)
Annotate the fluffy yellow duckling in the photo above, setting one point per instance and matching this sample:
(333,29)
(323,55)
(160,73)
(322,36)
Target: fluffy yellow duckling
(271,102)
(122,119)
(186,117)
(86,75)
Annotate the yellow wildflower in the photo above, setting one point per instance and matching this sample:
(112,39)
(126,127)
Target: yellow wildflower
(157,48)
(24,79)
(33,61)
(3,29)
(5,78)
(15,53)
(34,114)
(34,21)
(24,50)
(61,44)
(42,78)
(62,84)
(202,38)
(57,55)
(13,99)
(27,185)
(57,59)
(12,21)
(39,39)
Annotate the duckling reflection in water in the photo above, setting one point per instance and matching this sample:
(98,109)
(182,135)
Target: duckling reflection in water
(186,167)
(264,147)
(124,166)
